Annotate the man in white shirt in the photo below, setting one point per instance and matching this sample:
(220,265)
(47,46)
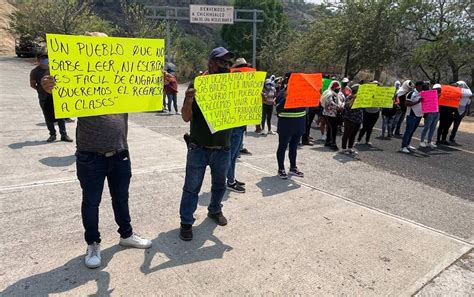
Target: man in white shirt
(414,114)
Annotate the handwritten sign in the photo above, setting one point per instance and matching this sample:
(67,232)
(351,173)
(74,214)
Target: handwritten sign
(105,75)
(304,90)
(326,83)
(242,69)
(429,101)
(230,100)
(450,96)
(371,95)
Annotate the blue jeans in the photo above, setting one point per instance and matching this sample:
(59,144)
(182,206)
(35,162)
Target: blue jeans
(172,98)
(197,160)
(92,169)
(412,123)
(283,141)
(387,125)
(235,143)
(431,120)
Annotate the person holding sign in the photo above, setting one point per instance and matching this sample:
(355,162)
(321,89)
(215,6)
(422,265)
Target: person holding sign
(406,87)
(102,152)
(290,128)
(446,118)
(268,97)
(204,149)
(431,118)
(331,107)
(371,116)
(462,110)
(46,100)
(413,104)
(352,121)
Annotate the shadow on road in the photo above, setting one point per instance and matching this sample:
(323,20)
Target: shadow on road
(205,198)
(20,145)
(178,252)
(273,185)
(64,278)
(345,159)
(58,161)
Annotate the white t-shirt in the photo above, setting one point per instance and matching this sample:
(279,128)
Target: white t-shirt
(415,97)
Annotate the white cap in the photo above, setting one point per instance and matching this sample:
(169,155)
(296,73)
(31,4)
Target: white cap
(345,80)
(437,86)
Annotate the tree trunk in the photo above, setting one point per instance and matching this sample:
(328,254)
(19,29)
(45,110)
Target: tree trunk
(346,67)
(378,73)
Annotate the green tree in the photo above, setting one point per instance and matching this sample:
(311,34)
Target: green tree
(36,18)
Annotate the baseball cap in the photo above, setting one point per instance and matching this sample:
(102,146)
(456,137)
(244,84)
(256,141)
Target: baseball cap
(437,86)
(345,80)
(219,52)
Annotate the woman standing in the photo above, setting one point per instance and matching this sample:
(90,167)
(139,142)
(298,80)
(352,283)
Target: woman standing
(431,120)
(331,106)
(268,97)
(352,121)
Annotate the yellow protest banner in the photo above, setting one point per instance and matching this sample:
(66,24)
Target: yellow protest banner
(371,95)
(105,75)
(230,100)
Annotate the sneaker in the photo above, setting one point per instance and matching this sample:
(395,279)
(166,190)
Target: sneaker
(66,138)
(282,174)
(423,144)
(245,151)
(368,143)
(218,218)
(432,145)
(296,172)
(236,188)
(240,183)
(405,150)
(345,152)
(262,132)
(270,132)
(323,137)
(51,138)
(68,120)
(186,232)
(177,113)
(334,147)
(92,259)
(444,142)
(135,241)
(410,147)
(353,151)
(307,143)
(452,141)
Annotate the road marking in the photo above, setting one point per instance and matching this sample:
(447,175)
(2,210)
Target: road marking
(364,205)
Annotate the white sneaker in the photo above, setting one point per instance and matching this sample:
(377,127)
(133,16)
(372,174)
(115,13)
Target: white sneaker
(423,144)
(353,151)
(177,113)
(323,137)
(368,143)
(92,259)
(270,132)
(432,145)
(405,150)
(135,241)
(410,147)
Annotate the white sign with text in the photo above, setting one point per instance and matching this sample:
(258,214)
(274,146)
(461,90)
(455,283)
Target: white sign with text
(211,14)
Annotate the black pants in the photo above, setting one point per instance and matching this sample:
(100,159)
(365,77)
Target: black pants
(350,132)
(310,115)
(267,112)
(400,121)
(368,125)
(332,123)
(47,107)
(283,142)
(446,118)
(457,121)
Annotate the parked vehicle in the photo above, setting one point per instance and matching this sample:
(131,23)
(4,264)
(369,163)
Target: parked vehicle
(26,47)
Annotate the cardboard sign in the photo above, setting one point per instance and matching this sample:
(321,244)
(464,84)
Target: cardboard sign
(429,101)
(326,83)
(371,95)
(230,100)
(242,69)
(450,96)
(304,90)
(105,75)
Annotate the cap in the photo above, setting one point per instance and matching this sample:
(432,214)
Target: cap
(219,52)
(240,62)
(345,80)
(437,86)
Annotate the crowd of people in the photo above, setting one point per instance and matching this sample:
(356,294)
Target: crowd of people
(102,148)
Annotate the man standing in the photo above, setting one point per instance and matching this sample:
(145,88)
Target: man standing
(46,100)
(171,90)
(204,149)
(413,103)
(102,152)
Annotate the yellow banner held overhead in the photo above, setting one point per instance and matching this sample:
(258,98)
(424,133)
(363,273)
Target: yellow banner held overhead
(230,100)
(105,75)
(371,95)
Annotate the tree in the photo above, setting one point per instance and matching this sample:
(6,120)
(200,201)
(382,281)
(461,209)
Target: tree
(35,19)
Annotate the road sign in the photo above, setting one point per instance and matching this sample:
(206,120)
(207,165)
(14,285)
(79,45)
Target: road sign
(211,14)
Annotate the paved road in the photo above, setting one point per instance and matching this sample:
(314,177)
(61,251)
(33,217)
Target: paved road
(371,227)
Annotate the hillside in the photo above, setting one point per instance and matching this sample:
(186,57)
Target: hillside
(7,41)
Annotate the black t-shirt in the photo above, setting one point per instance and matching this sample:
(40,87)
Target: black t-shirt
(201,134)
(37,74)
(403,99)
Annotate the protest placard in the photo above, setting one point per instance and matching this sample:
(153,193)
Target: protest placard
(105,75)
(326,83)
(304,90)
(371,95)
(230,100)
(450,96)
(429,101)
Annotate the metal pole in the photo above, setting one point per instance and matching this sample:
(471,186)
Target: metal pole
(168,40)
(254,39)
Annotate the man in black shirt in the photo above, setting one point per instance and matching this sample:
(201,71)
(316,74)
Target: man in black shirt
(204,149)
(46,100)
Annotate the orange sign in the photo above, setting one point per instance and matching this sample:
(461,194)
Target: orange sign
(304,90)
(242,69)
(450,96)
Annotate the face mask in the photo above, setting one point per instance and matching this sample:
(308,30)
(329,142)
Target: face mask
(44,61)
(337,91)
